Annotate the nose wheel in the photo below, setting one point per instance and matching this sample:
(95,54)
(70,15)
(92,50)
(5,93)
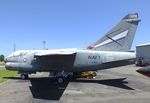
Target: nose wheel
(24,76)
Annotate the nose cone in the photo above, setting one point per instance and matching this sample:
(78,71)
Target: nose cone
(145,71)
(7,64)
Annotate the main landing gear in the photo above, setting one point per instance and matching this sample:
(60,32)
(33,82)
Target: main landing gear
(62,76)
(60,80)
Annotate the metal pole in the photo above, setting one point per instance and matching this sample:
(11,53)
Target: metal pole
(44,44)
(14,47)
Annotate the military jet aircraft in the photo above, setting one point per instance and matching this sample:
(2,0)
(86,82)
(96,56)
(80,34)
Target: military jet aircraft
(111,50)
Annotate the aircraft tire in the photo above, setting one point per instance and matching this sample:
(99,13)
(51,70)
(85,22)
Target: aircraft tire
(60,80)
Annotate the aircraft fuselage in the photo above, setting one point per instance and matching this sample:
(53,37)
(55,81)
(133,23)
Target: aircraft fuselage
(80,60)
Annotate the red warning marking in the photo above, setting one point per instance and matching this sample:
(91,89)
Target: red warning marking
(148,75)
(145,74)
(90,47)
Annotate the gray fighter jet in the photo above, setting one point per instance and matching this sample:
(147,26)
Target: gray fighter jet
(111,50)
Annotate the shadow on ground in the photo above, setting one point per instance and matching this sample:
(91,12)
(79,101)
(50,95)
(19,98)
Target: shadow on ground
(48,89)
(119,83)
(44,88)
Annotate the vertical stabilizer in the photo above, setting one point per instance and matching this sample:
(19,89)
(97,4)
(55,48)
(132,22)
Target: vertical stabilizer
(120,37)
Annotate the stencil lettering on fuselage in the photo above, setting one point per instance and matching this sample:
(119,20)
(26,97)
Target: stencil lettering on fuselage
(93,59)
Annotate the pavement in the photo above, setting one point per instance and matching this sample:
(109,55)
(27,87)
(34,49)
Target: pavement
(116,85)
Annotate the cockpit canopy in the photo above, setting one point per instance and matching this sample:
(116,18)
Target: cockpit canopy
(18,53)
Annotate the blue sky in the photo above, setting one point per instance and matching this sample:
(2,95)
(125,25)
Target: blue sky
(65,23)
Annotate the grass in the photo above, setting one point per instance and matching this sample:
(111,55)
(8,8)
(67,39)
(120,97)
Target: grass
(6,73)
(2,63)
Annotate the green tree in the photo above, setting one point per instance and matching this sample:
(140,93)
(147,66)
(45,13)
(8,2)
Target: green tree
(2,57)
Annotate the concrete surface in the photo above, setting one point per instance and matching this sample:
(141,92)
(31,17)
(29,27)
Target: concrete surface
(117,85)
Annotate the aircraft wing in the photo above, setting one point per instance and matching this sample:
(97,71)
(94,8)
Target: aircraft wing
(58,53)
(56,59)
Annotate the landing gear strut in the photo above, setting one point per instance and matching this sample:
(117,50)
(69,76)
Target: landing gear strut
(24,76)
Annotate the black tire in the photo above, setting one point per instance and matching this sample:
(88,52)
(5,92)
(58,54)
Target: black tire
(60,80)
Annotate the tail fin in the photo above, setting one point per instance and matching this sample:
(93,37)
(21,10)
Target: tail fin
(120,37)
